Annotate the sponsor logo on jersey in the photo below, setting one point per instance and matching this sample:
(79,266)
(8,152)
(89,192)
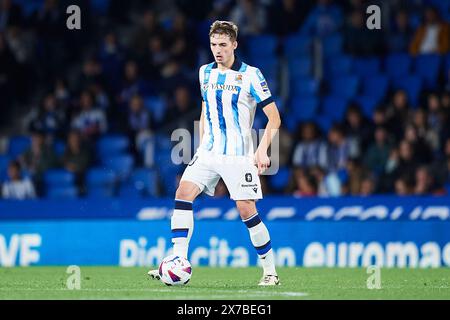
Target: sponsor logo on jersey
(264,86)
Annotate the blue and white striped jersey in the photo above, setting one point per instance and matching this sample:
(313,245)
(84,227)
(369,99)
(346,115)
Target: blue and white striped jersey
(231,98)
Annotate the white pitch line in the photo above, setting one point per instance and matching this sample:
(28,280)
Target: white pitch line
(257,293)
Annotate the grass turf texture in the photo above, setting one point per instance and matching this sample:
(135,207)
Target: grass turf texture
(225,283)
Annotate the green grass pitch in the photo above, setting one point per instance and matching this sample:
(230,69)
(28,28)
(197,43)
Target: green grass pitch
(225,283)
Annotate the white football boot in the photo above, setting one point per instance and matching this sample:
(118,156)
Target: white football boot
(269,280)
(154,274)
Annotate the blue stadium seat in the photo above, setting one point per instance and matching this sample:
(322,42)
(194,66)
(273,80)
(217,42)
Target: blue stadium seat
(365,67)
(122,165)
(398,65)
(145,181)
(18,145)
(289,121)
(267,65)
(110,145)
(412,85)
(100,182)
(300,67)
(368,105)
(375,86)
(334,107)
(345,86)
(304,108)
(297,45)
(305,87)
(62,193)
(4,161)
(261,46)
(324,122)
(59,178)
(280,180)
(100,7)
(169,183)
(338,66)
(427,66)
(59,147)
(157,106)
(332,45)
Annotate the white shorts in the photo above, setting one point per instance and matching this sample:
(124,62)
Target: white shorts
(238,172)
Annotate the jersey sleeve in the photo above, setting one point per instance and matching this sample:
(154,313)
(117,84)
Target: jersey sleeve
(259,89)
(201,76)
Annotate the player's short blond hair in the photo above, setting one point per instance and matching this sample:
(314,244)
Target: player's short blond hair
(224,27)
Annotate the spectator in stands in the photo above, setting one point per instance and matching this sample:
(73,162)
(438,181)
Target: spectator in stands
(133,83)
(339,149)
(329,184)
(38,158)
(91,121)
(8,68)
(358,39)
(250,16)
(148,28)
(311,150)
(398,113)
(10,14)
(91,72)
(434,111)
(62,95)
(306,184)
(286,17)
(402,162)
(400,34)
(379,116)
(139,127)
(404,186)
(358,129)
(48,119)
(368,186)
(430,135)
(425,183)
(181,112)
(377,154)
(324,19)
(111,56)
(77,157)
(17,187)
(432,36)
(182,43)
(155,58)
(422,151)
(355,175)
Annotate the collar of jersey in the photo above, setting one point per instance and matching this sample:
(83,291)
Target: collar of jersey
(236,64)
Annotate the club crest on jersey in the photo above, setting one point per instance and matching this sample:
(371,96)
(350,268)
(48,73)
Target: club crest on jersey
(238,78)
(264,86)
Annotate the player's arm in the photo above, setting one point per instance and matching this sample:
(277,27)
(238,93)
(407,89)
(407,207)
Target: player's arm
(202,121)
(274,121)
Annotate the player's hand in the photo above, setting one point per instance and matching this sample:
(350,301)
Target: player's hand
(262,161)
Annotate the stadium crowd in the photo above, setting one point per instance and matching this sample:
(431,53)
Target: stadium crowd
(364,111)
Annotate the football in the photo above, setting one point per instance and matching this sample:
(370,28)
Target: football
(175,270)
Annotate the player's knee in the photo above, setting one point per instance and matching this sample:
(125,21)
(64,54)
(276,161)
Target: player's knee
(246,208)
(186,192)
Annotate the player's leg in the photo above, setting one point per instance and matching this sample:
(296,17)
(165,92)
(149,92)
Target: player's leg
(182,221)
(260,238)
(197,177)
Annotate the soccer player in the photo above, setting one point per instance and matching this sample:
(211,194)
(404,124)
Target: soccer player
(231,92)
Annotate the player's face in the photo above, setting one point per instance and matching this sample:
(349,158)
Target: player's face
(222,48)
